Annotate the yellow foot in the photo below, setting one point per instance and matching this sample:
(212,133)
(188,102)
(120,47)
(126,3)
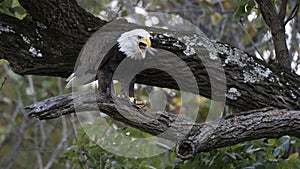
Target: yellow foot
(137,102)
(132,99)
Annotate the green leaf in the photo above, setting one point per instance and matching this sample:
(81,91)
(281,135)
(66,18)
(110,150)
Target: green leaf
(231,155)
(20,10)
(6,4)
(72,148)
(251,149)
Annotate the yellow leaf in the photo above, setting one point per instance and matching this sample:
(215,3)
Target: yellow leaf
(177,101)
(216,18)
(293,156)
(252,31)
(226,4)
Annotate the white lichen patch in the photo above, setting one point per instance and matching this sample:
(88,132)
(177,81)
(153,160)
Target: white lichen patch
(197,43)
(257,74)
(189,43)
(237,57)
(233,94)
(35,52)
(38,34)
(222,48)
(41,25)
(168,34)
(252,71)
(189,40)
(25,39)
(213,53)
(6,29)
(292,94)
(177,44)
(275,79)
(189,51)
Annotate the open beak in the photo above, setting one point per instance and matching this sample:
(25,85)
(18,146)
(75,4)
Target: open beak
(144,45)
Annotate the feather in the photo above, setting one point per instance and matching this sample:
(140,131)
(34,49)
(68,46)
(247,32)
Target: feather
(128,43)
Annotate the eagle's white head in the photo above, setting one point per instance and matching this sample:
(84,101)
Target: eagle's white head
(135,43)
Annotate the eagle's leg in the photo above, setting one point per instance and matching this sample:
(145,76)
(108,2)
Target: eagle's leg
(104,84)
(131,93)
(131,88)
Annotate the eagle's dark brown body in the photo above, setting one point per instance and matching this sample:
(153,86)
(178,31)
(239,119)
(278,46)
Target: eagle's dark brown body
(106,71)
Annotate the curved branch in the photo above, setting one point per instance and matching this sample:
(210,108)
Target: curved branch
(268,123)
(49,46)
(120,110)
(264,123)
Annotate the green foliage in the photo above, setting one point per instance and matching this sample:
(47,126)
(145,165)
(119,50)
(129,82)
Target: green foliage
(249,155)
(17,133)
(86,154)
(13,8)
(243,8)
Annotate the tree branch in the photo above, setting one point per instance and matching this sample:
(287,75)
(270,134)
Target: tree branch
(282,10)
(120,110)
(269,123)
(292,14)
(264,123)
(37,46)
(275,21)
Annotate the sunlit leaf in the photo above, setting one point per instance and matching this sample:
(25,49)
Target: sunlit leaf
(294,156)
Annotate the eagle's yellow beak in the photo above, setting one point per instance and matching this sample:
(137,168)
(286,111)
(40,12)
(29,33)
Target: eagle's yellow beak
(147,41)
(143,45)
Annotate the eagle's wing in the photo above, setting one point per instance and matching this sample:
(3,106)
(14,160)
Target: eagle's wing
(91,56)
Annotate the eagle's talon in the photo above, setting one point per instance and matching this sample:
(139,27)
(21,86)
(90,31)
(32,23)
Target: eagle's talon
(140,103)
(137,102)
(132,100)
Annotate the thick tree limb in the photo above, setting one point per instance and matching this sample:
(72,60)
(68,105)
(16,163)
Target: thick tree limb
(43,45)
(47,41)
(120,110)
(269,123)
(264,123)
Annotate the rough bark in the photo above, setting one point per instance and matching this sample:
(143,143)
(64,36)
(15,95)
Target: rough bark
(264,123)
(276,22)
(119,109)
(48,41)
(192,137)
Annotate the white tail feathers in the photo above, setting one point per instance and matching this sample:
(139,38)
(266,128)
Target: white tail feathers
(71,78)
(75,81)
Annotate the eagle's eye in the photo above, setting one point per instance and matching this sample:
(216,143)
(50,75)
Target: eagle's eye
(139,37)
(142,46)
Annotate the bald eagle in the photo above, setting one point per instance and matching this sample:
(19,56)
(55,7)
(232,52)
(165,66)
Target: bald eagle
(133,44)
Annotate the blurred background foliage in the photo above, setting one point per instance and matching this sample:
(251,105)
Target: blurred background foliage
(62,143)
